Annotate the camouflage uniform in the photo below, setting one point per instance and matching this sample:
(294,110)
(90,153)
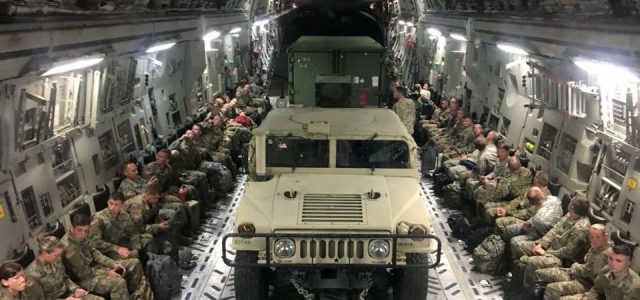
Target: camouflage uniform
(510,186)
(107,232)
(5,295)
(464,142)
(51,282)
(578,279)
(499,170)
(626,288)
(187,166)
(456,170)
(518,208)
(131,188)
(90,267)
(406,110)
(544,218)
(167,180)
(566,240)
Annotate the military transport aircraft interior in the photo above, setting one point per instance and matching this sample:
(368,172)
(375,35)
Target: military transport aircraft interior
(319,149)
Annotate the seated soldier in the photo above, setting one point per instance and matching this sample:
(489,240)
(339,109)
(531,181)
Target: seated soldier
(448,137)
(579,277)
(548,211)
(617,280)
(565,241)
(13,282)
(515,181)
(132,184)
(185,160)
(439,116)
(113,232)
(168,203)
(518,207)
(167,180)
(47,273)
(489,180)
(144,209)
(468,149)
(93,270)
(462,170)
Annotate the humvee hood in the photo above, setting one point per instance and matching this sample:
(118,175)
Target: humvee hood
(344,202)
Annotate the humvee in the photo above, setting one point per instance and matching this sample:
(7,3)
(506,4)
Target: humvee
(332,202)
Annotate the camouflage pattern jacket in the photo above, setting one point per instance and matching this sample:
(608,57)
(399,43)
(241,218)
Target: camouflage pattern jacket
(142,214)
(406,110)
(131,188)
(107,232)
(49,280)
(546,216)
(594,261)
(625,288)
(82,260)
(567,238)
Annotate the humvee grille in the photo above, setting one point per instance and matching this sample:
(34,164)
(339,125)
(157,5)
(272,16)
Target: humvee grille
(332,208)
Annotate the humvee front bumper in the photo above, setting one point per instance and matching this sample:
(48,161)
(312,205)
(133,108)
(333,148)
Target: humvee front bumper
(335,250)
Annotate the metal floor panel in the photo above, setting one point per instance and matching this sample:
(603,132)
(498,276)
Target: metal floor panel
(212,279)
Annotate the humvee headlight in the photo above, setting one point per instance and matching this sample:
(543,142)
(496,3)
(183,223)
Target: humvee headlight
(285,248)
(378,249)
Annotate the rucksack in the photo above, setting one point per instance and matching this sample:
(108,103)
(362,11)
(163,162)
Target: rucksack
(223,179)
(459,225)
(440,180)
(452,195)
(476,237)
(487,257)
(164,276)
(428,157)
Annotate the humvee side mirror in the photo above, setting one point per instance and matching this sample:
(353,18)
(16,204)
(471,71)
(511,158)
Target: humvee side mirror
(373,195)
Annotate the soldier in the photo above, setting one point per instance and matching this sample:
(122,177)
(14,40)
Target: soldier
(457,171)
(566,240)
(518,207)
(144,208)
(464,142)
(450,134)
(517,179)
(405,108)
(488,180)
(169,203)
(579,277)
(167,181)
(548,211)
(48,274)
(213,170)
(132,184)
(94,271)
(13,282)
(616,281)
(440,114)
(113,232)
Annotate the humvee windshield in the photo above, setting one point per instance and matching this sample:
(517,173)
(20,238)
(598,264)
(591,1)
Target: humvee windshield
(372,154)
(294,152)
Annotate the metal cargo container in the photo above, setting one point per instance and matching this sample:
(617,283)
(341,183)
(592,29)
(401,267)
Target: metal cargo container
(312,59)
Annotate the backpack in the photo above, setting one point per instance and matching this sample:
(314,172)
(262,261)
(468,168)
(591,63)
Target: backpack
(452,195)
(440,180)
(428,157)
(223,179)
(487,257)
(164,276)
(476,237)
(459,225)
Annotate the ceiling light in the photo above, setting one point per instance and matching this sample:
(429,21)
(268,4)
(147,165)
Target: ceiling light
(607,70)
(236,35)
(401,22)
(512,49)
(235,30)
(458,37)
(410,24)
(74,64)
(211,35)
(212,49)
(434,32)
(161,46)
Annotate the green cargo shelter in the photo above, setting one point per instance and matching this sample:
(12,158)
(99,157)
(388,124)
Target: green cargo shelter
(337,71)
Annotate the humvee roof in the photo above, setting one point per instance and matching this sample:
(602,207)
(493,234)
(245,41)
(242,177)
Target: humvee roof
(360,121)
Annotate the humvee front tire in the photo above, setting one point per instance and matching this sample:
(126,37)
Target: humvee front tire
(250,282)
(411,283)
